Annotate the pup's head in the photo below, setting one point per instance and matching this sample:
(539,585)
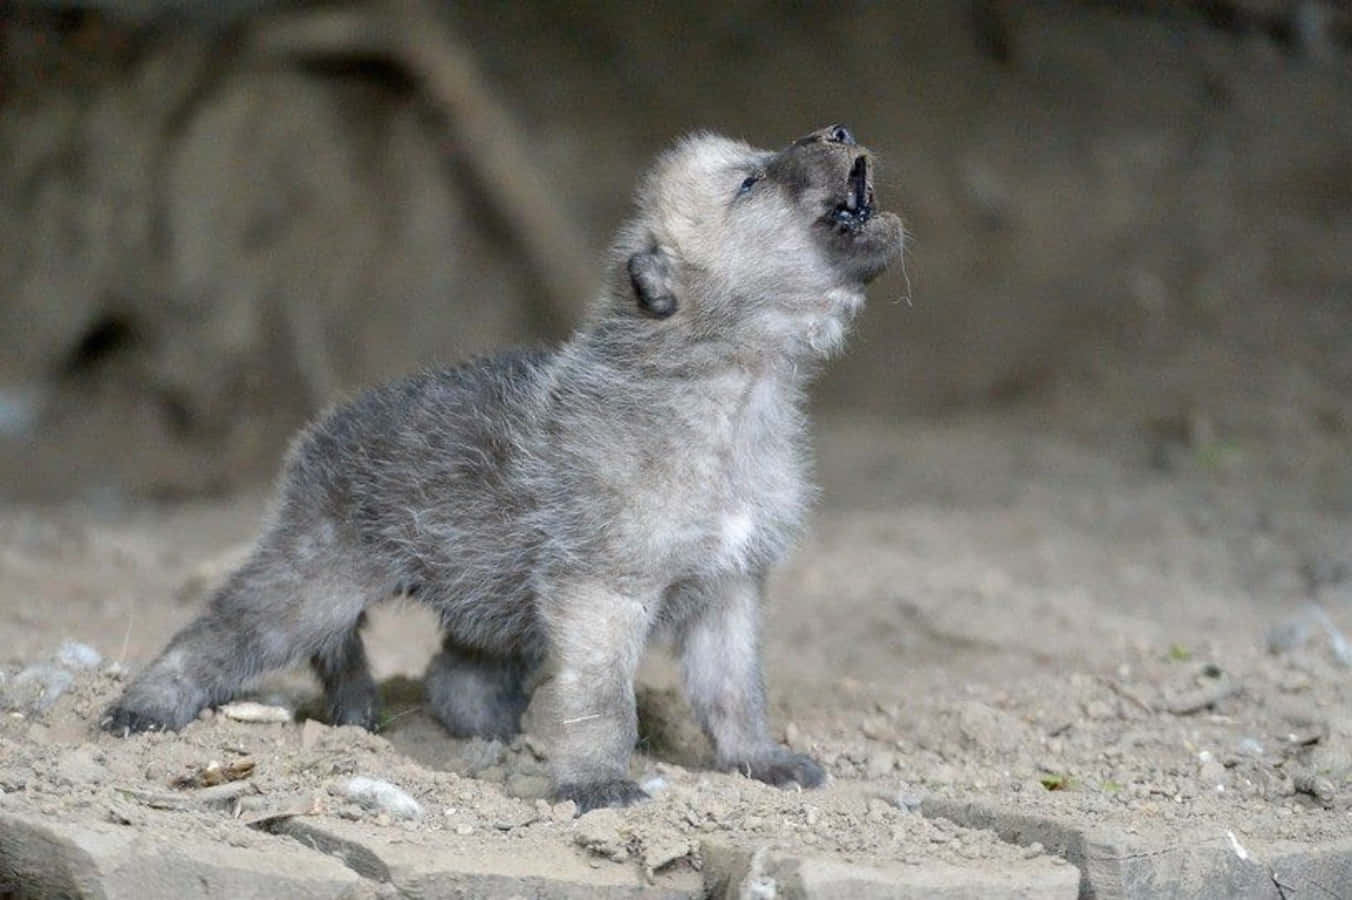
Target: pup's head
(769,250)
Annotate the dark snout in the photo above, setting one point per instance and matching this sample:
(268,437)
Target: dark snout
(822,158)
(832,176)
(831,134)
(831,167)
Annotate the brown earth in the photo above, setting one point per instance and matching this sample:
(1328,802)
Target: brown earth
(984,614)
(1088,492)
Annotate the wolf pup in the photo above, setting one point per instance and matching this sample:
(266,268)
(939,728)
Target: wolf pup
(558,509)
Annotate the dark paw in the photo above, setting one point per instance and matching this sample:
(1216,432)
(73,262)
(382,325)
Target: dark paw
(363,715)
(120,721)
(784,768)
(596,794)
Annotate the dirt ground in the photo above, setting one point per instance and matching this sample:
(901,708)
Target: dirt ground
(1098,631)
(1083,562)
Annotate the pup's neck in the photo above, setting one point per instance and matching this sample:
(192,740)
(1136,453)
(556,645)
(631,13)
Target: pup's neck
(787,342)
(634,353)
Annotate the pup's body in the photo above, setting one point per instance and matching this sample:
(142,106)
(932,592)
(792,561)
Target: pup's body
(557,509)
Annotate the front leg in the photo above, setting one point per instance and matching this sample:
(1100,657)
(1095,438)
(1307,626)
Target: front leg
(586,705)
(720,658)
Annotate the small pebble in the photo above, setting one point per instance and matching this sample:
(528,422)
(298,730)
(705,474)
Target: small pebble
(37,687)
(1099,709)
(74,655)
(381,796)
(881,763)
(1317,786)
(599,832)
(249,711)
(663,852)
(909,801)
(875,728)
(518,816)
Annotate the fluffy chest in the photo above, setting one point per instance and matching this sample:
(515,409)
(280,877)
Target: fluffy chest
(727,486)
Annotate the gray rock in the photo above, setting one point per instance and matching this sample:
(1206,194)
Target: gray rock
(381,796)
(352,854)
(599,832)
(495,871)
(1322,871)
(1210,865)
(662,853)
(37,687)
(731,873)
(77,657)
(47,858)
(991,730)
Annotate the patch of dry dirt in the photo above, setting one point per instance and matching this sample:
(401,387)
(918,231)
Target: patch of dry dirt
(983,612)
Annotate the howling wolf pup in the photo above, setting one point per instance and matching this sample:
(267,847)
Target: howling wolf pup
(558,509)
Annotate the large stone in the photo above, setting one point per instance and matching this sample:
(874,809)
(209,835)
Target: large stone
(46,858)
(1212,864)
(435,865)
(735,873)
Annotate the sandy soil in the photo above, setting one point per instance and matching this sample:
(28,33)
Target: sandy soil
(1076,627)
(1095,597)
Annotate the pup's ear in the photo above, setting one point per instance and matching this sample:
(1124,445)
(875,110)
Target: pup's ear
(650,274)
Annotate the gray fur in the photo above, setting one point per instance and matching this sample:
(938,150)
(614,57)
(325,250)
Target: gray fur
(559,509)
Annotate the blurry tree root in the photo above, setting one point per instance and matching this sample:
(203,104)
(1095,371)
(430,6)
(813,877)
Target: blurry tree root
(410,35)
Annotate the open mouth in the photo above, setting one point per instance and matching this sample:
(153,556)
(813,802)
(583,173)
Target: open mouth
(856,207)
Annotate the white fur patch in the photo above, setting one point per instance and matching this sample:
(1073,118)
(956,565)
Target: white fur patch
(737,529)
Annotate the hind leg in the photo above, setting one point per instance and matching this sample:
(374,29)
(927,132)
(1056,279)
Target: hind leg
(476,694)
(268,615)
(350,693)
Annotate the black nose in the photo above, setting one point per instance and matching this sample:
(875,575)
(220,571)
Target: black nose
(840,134)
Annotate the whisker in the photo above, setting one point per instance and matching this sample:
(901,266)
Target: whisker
(905,273)
(126,636)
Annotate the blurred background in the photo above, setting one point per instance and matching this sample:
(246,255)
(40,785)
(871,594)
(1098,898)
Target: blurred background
(1132,221)
(1085,539)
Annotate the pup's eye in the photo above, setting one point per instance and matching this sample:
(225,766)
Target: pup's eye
(748,184)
